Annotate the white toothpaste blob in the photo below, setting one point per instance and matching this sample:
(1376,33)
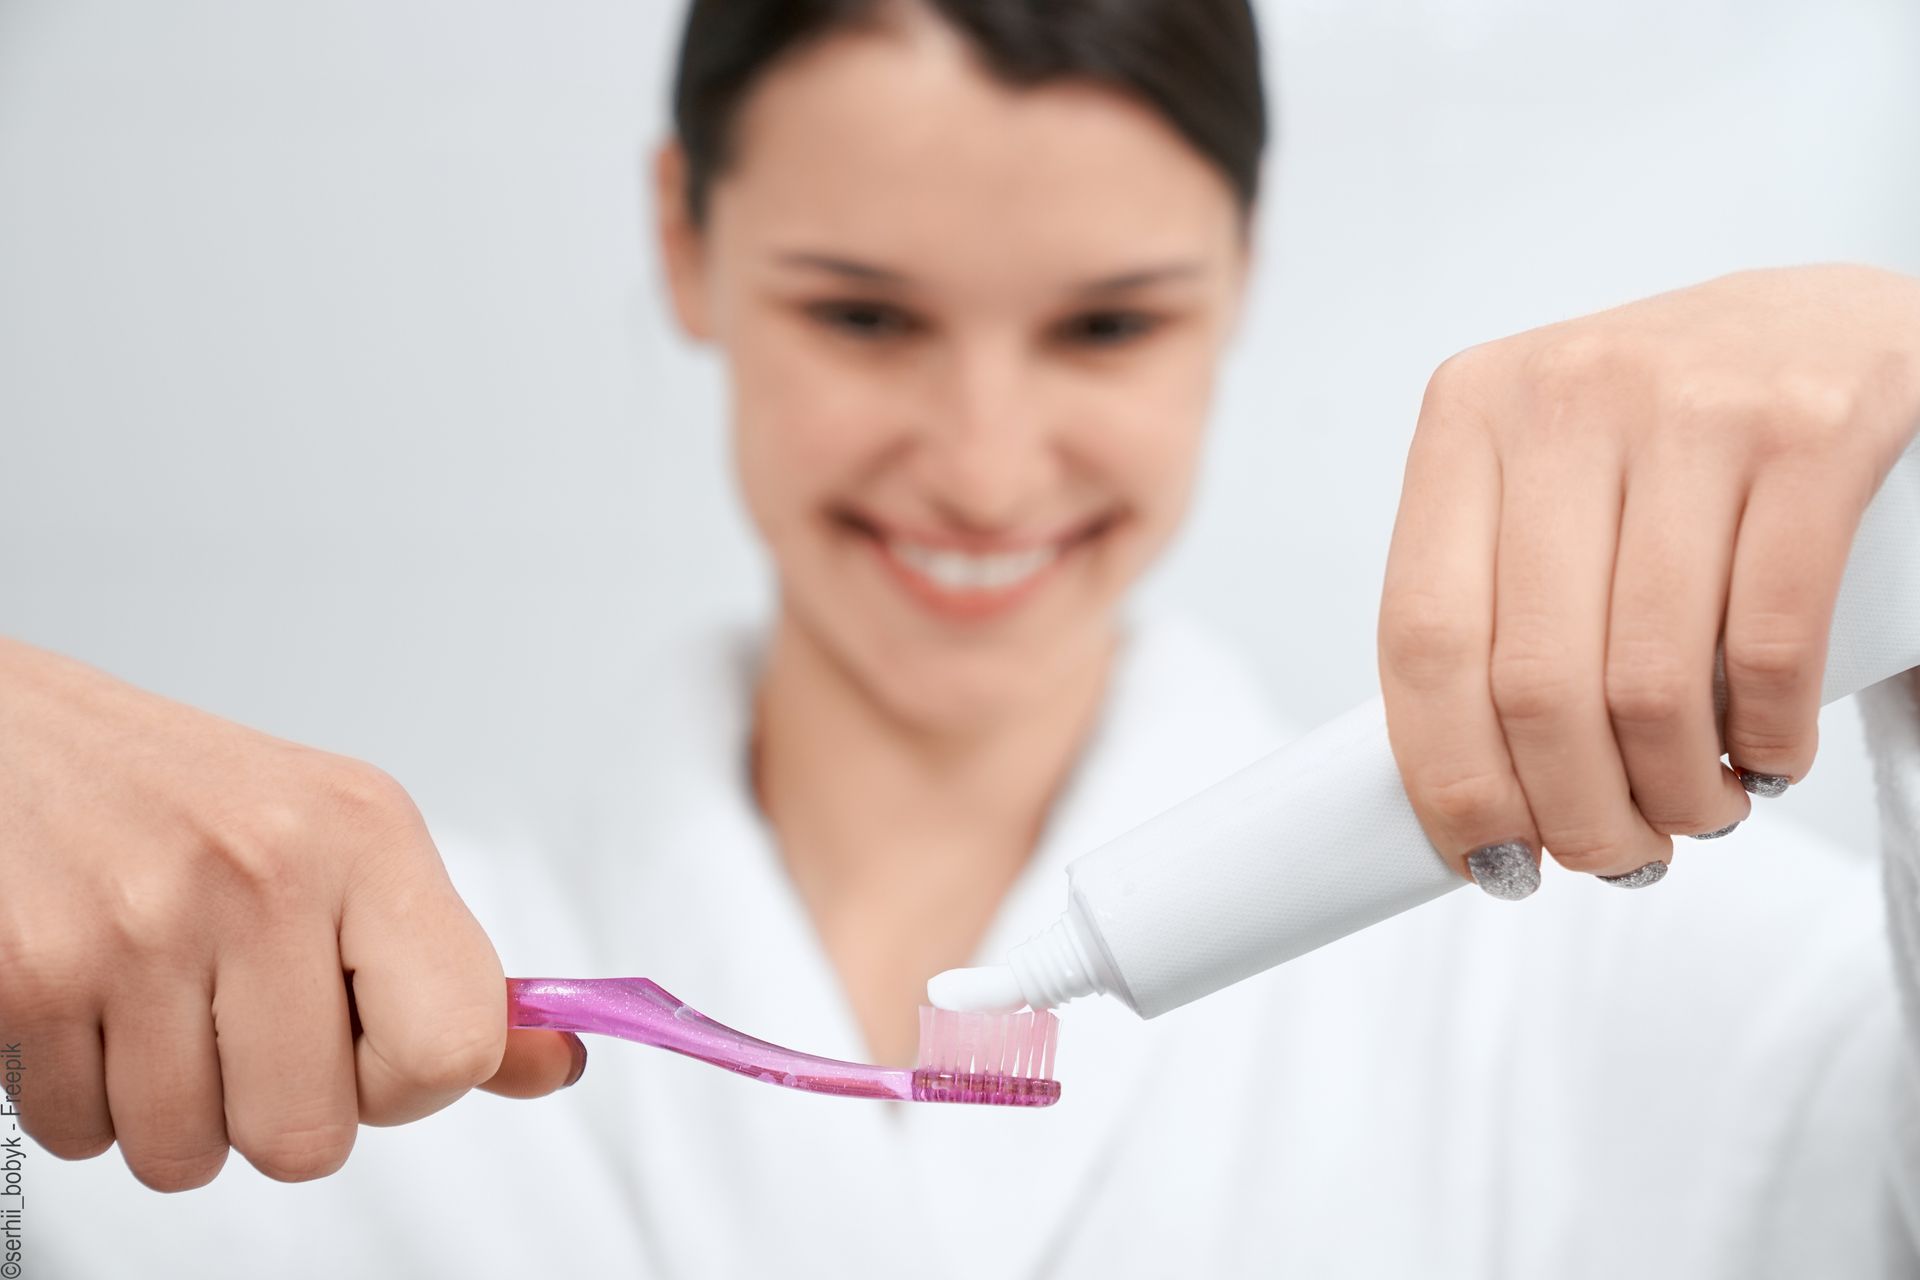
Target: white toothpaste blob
(992,989)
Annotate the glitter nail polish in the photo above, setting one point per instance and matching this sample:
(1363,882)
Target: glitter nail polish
(1714,835)
(1505,870)
(1762,784)
(1640,877)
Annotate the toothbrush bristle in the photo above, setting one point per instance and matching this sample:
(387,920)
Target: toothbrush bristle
(1003,1059)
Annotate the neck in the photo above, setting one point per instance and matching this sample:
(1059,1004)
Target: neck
(859,793)
(903,837)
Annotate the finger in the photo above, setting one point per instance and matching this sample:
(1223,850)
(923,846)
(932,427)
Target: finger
(50,1020)
(163,1082)
(63,1096)
(1795,534)
(1436,635)
(427,985)
(286,1054)
(1669,592)
(538,1063)
(1559,525)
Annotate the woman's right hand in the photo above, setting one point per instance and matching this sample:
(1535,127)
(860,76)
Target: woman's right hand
(210,937)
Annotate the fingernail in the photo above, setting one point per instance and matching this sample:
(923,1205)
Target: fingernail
(1762,784)
(579,1060)
(1640,877)
(1505,870)
(1712,835)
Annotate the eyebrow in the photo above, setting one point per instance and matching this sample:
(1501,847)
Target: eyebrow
(868,273)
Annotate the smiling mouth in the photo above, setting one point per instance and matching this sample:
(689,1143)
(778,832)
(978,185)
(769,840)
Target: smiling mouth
(960,571)
(971,582)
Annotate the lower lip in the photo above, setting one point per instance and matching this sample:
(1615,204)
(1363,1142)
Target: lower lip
(975,605)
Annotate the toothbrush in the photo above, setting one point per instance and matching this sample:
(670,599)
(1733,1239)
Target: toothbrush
(1003,1059)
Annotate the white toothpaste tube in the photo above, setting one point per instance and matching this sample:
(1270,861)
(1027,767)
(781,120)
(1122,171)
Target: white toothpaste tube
(1318,840)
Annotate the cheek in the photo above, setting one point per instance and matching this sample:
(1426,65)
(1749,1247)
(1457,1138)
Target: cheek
(801,430)
(1146,443)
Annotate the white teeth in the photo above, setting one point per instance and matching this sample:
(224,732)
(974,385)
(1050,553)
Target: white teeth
(959,571)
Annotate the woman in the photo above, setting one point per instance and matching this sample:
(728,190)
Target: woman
(972,268)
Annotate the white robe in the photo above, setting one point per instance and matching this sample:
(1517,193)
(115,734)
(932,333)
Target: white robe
(1708,1077)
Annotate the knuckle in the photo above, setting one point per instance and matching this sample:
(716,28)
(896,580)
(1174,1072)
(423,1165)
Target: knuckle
(1767,660)
(1460,377)
(1674,815)
(68,1144)
(1470,800)
(262,849)
(1818,407)
(182,1170)
(1529,685)
(44,967)
(1750,742)
(1649,689)
(265,827)
(1422,640)
(1590,851)
(147,910)
(302,1153)
(254,846)
(59,1121)
(1797,416)
(1710,403)
(1769,751)
(366,794)
(457,1054)
(1565,368)
(258,855)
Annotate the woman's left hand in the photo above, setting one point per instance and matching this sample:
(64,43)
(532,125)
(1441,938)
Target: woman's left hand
(1585,505)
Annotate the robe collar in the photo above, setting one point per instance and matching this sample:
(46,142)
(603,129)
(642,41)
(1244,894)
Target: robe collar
(697,898)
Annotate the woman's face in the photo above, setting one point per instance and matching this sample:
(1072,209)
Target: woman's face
(971,333)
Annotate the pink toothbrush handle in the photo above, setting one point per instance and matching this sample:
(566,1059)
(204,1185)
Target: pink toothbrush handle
(638,1010)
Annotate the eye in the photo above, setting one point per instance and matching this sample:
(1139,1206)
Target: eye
(1107,328)
(869,320)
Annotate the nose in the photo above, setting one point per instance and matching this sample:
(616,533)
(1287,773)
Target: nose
(987,457)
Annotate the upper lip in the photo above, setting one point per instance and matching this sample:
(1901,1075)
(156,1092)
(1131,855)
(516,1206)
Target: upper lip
(977,543)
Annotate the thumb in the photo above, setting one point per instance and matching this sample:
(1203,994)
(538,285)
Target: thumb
(537,1063)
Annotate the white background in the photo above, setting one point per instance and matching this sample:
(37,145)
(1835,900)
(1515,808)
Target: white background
(338,393)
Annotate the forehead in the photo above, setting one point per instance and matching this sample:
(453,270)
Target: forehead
(895,144)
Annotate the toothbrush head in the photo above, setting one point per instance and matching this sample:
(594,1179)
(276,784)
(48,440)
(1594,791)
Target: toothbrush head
(1002,1059)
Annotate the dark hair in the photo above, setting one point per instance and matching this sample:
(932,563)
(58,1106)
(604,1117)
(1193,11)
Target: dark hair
(1196,61)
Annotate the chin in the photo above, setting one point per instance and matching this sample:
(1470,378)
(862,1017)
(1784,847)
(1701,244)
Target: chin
(959,684)
(944,694)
